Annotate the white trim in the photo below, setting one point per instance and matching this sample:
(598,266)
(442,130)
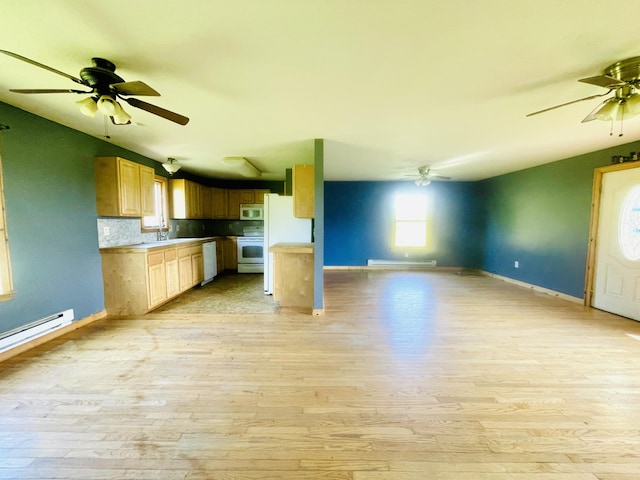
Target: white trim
(536,288)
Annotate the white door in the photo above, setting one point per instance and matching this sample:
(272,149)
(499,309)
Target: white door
(617,264)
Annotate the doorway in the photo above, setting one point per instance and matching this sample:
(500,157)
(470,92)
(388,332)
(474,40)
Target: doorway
(613,263)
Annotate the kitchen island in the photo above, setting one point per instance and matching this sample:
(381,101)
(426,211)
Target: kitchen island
(293,274)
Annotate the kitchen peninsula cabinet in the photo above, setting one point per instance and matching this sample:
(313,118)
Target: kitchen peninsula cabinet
(293,274)
(123,188)
(140,278)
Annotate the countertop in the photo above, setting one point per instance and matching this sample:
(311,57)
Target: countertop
(285,247)
(151,246)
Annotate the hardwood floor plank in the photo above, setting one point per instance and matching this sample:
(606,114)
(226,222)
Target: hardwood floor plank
(417,374)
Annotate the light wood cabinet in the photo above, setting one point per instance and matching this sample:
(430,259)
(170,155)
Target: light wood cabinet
(230,252)
(157,279)
(218,203)
(137,279)
(123,188)
(293,274)
(303,191)
(185,199)
(206,205)
(258,195)
(236,197)
(171,272)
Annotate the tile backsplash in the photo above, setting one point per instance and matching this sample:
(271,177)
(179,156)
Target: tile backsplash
(114,231)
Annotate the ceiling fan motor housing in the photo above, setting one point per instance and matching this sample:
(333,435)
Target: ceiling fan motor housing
(101,76)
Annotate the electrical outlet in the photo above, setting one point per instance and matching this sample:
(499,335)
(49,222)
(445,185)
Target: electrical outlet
(516,264)
(105,231)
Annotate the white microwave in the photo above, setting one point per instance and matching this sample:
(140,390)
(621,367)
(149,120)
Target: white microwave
(251,211)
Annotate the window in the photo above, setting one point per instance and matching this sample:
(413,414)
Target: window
(159,221)
(410,220)
(6,284)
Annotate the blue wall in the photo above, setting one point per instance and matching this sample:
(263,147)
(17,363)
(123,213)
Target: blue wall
(359,223)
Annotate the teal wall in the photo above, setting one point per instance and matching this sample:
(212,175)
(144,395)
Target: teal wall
(540,218)
(51,217)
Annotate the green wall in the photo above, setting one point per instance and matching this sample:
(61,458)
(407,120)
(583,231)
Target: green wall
(51,217)
(540,217)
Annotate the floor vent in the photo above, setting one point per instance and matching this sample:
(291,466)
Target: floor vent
(28,332)
(400,263)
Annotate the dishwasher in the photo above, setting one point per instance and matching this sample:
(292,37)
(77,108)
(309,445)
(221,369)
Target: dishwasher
(210,261)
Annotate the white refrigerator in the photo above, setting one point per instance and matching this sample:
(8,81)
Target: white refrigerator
(281,226)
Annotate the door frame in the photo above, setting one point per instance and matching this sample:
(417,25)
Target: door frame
(594,223)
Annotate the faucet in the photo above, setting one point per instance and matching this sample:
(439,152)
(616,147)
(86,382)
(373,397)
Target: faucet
(162,235)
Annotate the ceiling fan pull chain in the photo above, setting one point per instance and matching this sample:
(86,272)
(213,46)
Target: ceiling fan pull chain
(106,127)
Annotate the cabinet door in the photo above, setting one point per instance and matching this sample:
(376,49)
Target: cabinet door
(303,191)
(205,202)
(219,203)
(192,191)
(185,272)
(258,196)
(129,186)
(233,204)
(173,279)
(147,193)
(231,253)
(247,196)
(156,279)
(157,285)
(197,268)
(220,244)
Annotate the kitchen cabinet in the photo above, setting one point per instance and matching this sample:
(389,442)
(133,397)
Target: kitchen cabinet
(140,278)
(236,197)
(218,203)
(206,205)
(123,188)
(220,255)
(293,274)
(230,251)
(185,199)
(303,191)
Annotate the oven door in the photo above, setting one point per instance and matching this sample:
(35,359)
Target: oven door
(250,250)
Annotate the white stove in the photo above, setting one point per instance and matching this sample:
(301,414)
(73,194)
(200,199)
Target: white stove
(251,250)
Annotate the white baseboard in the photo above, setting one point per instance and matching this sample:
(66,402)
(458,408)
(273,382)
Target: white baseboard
(536,288)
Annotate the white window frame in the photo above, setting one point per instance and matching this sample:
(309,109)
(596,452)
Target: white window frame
(159,221)
(410,212)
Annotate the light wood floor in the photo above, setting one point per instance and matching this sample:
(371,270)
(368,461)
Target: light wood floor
(408,375)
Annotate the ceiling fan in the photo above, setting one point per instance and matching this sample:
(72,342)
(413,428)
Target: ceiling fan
(105,88)
(425,175)
(622,79)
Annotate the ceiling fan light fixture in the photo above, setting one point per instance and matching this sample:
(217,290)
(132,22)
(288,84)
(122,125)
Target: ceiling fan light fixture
(120,117)
(633,104)
(171,166)
(608,111)
(242,166)
(88,106)
(422,182)
(107,105)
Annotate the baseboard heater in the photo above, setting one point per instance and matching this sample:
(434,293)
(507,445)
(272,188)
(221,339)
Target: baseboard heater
(32,330)
(400,263)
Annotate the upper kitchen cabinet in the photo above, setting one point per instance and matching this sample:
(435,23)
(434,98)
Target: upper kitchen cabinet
(123,188)
(186,199)
(218,202)
(237,197)
(303,191)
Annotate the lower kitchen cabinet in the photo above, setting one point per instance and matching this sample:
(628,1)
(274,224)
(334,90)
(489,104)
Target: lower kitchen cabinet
(138,278)
(230,252)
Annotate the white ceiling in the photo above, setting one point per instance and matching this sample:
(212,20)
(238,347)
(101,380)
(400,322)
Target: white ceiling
(389,84)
